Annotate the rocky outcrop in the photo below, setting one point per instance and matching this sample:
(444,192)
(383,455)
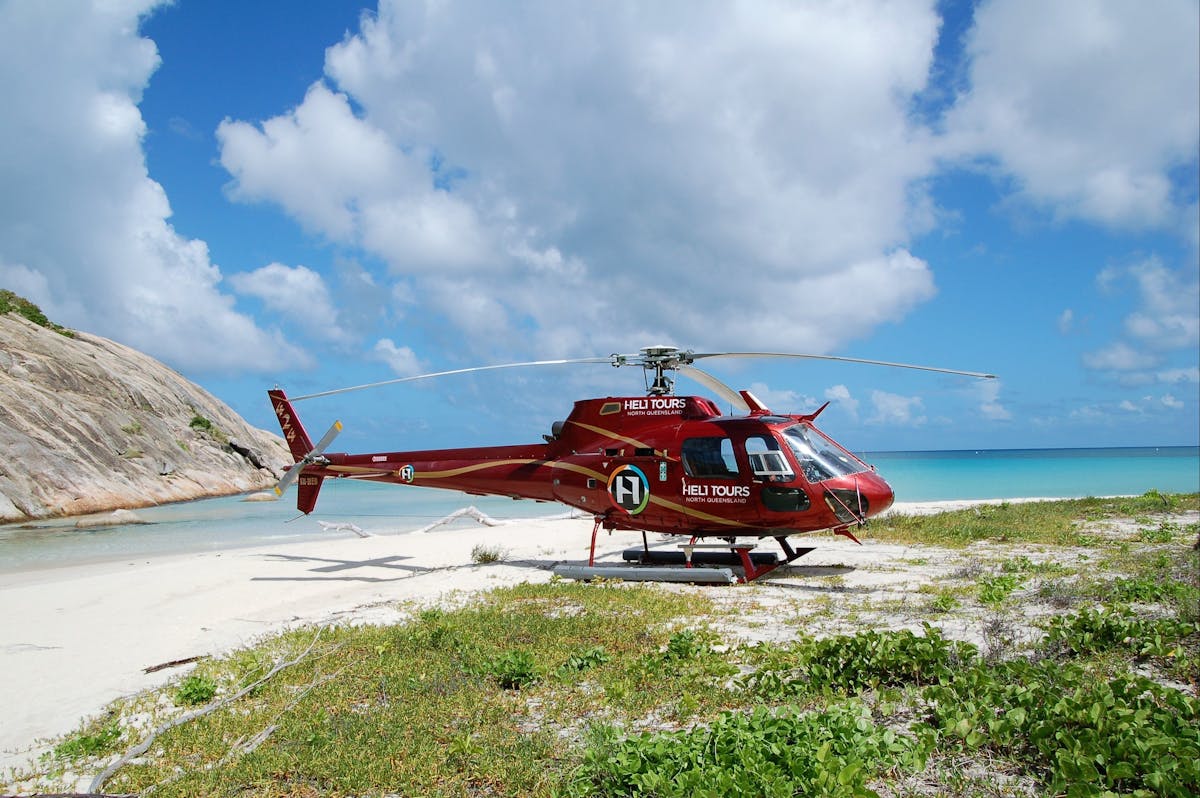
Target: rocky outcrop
(87,425)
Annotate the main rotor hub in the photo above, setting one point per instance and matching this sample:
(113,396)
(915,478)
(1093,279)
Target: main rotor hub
(657,359)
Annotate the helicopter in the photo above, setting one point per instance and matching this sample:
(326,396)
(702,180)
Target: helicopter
(652,463)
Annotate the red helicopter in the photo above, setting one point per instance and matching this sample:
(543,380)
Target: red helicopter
(650,463)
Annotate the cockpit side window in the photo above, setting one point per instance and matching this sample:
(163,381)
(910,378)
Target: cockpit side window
(709,457)
(767,460)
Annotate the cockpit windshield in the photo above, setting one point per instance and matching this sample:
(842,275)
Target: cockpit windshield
(819,457)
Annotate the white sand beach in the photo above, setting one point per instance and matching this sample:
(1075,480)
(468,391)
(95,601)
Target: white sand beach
(73,639)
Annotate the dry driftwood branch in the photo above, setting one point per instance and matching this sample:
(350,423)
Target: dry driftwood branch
(149,739)
(175,663)
(246,746)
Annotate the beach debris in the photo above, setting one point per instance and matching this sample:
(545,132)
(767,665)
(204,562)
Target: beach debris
(342,526)
(465,512)
(175,663)
(141,748)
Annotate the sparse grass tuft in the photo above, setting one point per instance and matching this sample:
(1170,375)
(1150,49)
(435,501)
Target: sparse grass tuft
(484,554)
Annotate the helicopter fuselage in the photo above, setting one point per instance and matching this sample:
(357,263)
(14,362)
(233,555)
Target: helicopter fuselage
(671,464)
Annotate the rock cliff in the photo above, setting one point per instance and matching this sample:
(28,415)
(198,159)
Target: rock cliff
(87,425)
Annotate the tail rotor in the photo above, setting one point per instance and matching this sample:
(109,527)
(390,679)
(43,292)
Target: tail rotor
(303,452)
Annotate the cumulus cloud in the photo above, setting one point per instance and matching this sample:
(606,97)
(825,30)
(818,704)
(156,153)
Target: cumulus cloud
(83,228)
(1088,105)
(890,408)
(1119,357)
(296,292)
(1066,321)
(544,169)
(1163,322)
(400,359)
(840,396)
(990,406)
(781,400)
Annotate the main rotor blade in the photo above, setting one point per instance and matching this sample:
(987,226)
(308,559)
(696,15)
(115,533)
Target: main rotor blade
(716,386)
(698,356)
(454,371)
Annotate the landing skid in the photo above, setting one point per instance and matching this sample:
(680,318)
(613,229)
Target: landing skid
(753,565)
(642,573)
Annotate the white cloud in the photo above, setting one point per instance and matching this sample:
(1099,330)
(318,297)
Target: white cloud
(1170,402)
(400,359)
(1066,321)
(782,400)
(614,169)
(1088,104)
(1119,357)
(1183,375)
(840,396)
(890,408)
(1169,316)
(83,229)
(1164,321)
(990,406)
(296,292)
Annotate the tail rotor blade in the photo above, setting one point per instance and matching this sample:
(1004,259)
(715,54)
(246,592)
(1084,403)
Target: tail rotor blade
(326,439)
(294,472)
(289,476)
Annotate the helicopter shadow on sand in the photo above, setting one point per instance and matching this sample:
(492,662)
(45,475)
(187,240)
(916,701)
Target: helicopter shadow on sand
(334,570)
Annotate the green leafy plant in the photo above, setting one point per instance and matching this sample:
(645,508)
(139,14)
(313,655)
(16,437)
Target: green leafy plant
(1127,735)
(1163,533)
(765,752)
(195,689)
(685,645)
(583,661)
(87,744)
(514,670)
(995,589)
(868,660)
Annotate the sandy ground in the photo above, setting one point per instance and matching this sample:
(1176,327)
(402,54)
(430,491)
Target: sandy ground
(73,639)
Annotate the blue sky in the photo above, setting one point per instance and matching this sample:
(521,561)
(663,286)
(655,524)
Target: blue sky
(319,194)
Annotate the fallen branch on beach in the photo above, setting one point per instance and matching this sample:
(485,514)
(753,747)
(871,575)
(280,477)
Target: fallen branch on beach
(148,740)
(342,526)
(175,663)
(465,512)
(244,746)
(487,520)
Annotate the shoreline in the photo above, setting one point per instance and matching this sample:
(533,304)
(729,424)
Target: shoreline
(86,633)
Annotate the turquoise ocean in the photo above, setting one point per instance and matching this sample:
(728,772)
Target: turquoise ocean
(230,522)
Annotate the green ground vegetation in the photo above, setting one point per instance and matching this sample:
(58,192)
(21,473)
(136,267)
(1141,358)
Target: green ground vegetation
(12,303)
(1053,522)
(563,689)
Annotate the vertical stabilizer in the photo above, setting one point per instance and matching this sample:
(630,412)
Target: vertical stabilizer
(305,454)
(293,431)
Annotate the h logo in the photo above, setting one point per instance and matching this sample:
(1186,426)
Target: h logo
(629,488)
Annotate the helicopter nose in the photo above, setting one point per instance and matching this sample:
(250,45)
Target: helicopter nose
(878,493)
